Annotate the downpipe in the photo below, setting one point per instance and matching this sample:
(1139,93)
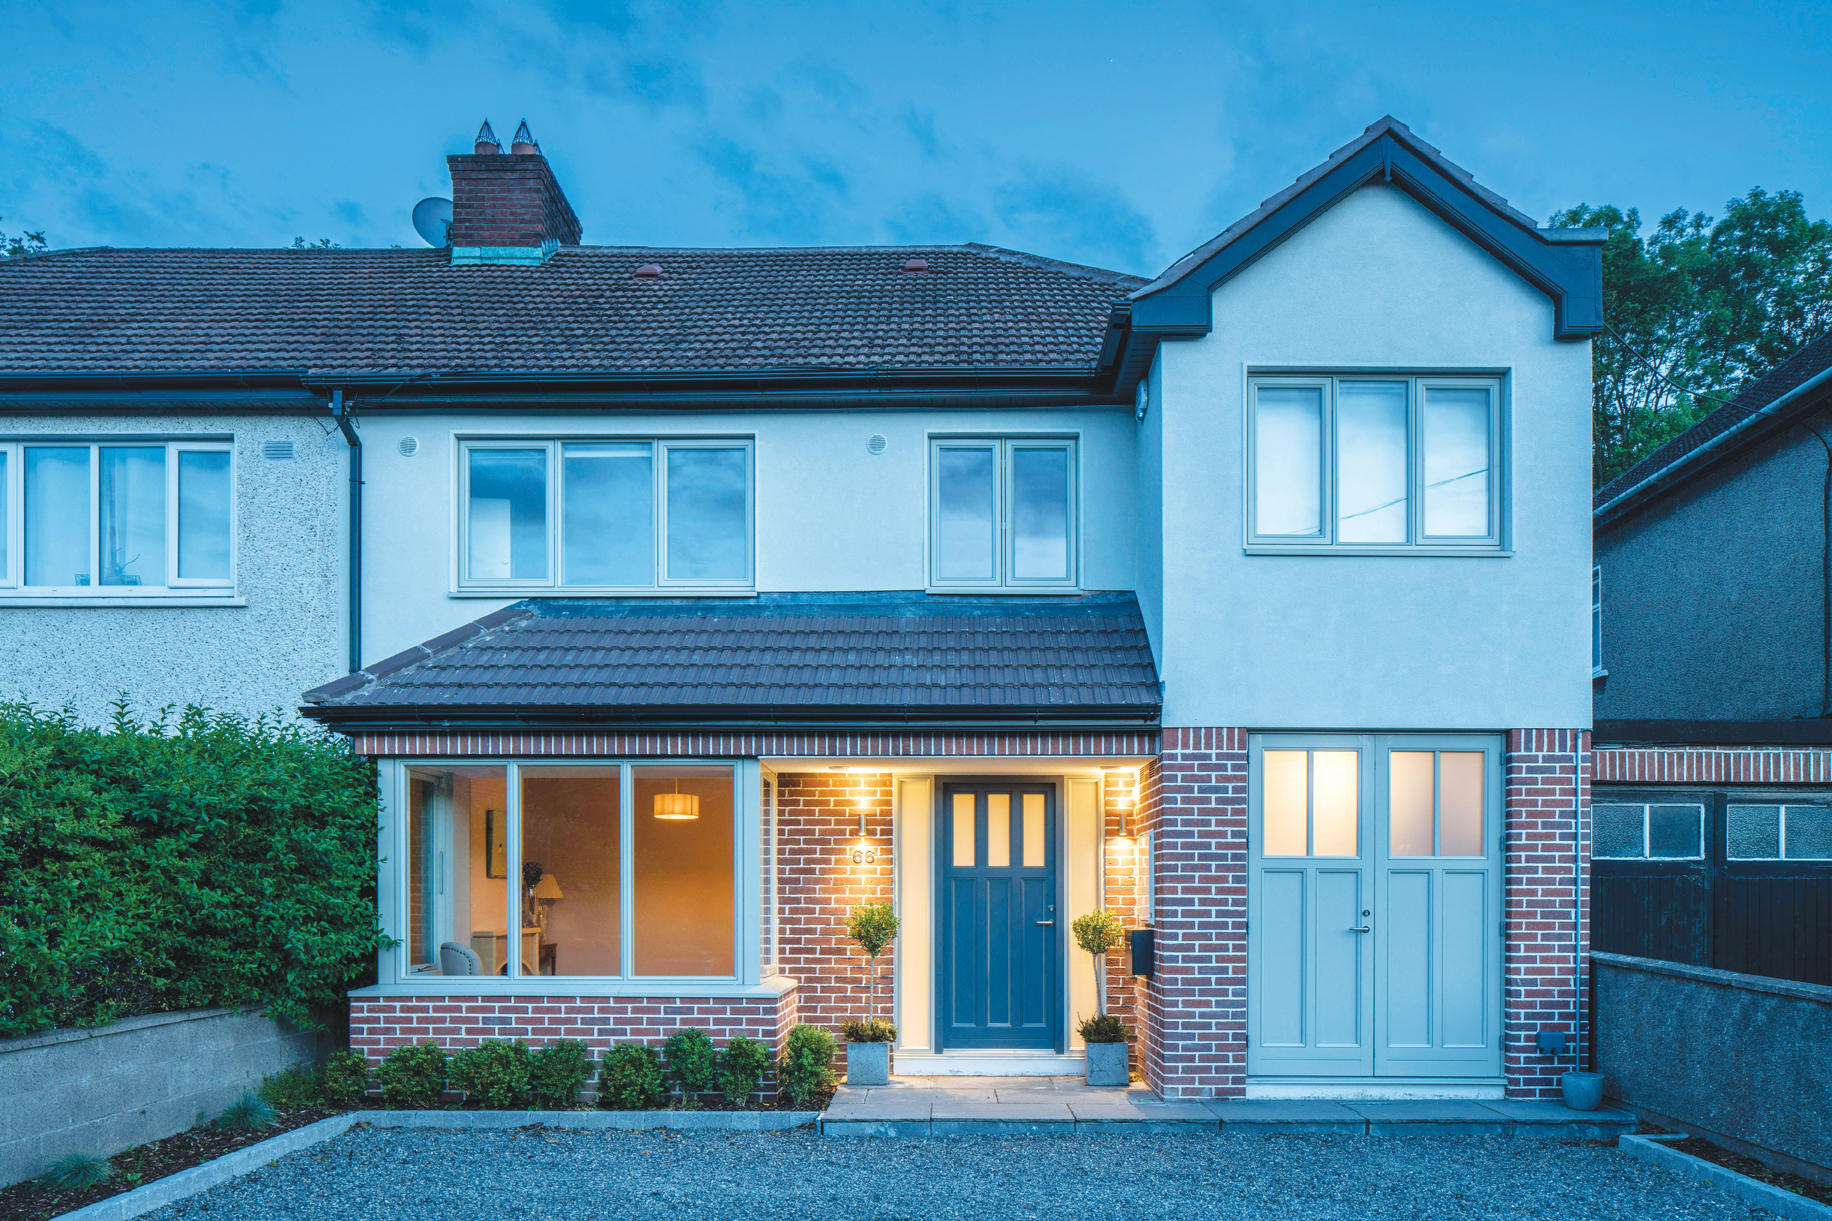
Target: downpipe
(341,414)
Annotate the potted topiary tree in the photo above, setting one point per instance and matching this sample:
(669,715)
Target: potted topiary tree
(868,1042)
(1108,1058)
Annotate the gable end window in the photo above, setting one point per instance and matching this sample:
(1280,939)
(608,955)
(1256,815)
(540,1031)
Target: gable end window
(127,519)
(605,515)
(1370,463)
(1003,514)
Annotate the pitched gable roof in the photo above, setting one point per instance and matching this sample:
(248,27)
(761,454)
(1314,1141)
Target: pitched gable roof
(784,659)
(328,313)
(1749,416)
(1565,264)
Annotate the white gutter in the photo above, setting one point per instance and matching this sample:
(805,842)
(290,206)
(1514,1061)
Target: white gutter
(1733,430)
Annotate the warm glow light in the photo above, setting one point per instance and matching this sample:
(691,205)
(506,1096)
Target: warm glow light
(677,807)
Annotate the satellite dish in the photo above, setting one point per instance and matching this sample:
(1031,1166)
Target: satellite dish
(432,220)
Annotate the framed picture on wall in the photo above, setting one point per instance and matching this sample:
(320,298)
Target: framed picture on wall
(495,844)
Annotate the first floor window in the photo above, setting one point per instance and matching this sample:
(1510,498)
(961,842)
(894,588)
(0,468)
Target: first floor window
(606,515)
(127,518)
(603,870)
(1003,513)
(1366,461)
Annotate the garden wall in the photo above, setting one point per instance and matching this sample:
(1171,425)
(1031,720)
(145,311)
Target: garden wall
(100,1090)
(1741,1059)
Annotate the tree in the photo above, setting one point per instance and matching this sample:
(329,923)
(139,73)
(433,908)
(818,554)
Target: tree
(323,243)
(32,241)
(1097,932)
(874,927)
(1707,306)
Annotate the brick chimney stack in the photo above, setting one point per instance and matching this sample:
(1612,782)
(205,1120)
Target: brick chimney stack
(506,207)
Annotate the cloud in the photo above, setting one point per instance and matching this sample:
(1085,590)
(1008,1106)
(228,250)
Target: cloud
(934,219)
(781,206)
(1066,215)
(919,122)
(664,81)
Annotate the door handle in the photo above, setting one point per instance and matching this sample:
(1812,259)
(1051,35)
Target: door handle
(1361,928)
(1046,922)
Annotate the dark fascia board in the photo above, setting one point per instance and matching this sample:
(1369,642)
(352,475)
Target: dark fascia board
(1565,264)
(1712,733)
(698,719)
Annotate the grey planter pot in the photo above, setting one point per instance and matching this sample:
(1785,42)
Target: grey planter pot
(868,1064)
(1108,1064)
(1583,1091)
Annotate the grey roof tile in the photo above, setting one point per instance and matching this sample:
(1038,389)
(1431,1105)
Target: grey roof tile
(871,653)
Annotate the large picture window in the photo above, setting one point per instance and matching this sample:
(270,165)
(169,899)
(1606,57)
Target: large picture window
(1374,463)
(605,515)
(1003,513)
(602,870)
(117,519)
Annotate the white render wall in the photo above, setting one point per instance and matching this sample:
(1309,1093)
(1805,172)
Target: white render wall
(290,548)
(1341,642)
(830,515)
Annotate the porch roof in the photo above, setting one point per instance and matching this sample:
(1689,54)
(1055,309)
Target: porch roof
(830,659)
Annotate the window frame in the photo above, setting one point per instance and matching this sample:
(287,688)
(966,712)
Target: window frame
(394,879)
(1004,447)
(1418,543)
(1596,622)
(554,583)
(12,495)
(1647,804)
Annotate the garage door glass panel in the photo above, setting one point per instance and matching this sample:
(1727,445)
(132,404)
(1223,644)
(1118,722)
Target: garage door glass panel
(1753,833)
(1676,832)
(1809,833)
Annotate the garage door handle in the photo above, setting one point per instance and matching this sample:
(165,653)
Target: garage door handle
(1046,922)
(1361,928)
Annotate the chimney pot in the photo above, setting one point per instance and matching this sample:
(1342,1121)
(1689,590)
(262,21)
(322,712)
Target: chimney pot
(507,209)
(523,142)
(486,142)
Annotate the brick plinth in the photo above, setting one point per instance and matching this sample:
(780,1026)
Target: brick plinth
(381,1023)
(1547,838)
(817,823)
(1195,1020)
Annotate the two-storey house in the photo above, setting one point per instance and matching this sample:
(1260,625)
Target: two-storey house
(694,597)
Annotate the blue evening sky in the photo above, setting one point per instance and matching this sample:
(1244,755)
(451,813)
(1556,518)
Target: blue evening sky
(1114,134)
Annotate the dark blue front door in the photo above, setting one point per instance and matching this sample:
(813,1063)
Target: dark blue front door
(1001,955)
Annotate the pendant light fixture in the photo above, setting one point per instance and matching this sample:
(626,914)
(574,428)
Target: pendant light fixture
(677,806)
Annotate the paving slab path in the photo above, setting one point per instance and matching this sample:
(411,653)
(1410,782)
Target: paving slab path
(570,1175)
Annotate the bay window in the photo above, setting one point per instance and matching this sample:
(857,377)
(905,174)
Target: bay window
(602,870)
(1374,463)
(605,515)
(118,519)
(1003,513)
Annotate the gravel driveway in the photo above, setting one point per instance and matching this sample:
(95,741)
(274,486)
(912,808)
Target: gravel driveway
(480,1176)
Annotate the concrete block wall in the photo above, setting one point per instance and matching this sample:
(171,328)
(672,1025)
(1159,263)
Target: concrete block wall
(99,1091)
(1546,908)
(817,831)
(1741,1059)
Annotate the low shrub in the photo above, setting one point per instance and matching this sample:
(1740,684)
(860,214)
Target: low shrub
(807,1063)
(346,1077)
(692,1061)
(75,1172)
(630,1079)
(293,1088)
(249,1113)
(870,1030)
(741,1068)
(493,1073)
(1103,1028)
(556,1074)
(412,1076)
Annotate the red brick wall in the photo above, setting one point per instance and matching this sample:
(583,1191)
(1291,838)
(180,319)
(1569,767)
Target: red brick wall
(508,200)
(1196,1003)
(1545,973)
(817,830)
(1123,894)
(1712,765)
(378,1024)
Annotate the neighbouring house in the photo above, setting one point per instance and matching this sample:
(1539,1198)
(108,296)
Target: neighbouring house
(1712,606)
(693,597)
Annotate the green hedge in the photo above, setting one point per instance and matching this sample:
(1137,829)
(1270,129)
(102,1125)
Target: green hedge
(194,860)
